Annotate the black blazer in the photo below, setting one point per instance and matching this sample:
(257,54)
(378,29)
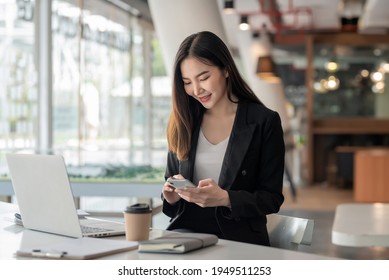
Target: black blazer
(252,173)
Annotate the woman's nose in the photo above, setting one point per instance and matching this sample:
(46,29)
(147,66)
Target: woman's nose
(197,89)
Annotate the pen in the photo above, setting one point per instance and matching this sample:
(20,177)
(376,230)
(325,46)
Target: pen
(48,254)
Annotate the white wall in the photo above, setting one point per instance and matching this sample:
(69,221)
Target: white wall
(174,20)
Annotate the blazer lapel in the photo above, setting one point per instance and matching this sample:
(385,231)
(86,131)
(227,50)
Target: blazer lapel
(237,147)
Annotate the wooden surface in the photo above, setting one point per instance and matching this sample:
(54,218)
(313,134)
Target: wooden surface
(357,125)
(371,175)
(350,39)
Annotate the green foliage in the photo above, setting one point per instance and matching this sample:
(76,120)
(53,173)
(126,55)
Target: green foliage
(157,62)
(144,173)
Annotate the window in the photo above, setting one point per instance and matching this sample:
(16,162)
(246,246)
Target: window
(18,77)
(110,96)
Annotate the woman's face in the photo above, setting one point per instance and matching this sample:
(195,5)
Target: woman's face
(205,83)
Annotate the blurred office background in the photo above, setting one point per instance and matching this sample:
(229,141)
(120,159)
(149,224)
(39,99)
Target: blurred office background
(89,79)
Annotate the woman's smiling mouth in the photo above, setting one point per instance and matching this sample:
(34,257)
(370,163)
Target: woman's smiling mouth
(205,98)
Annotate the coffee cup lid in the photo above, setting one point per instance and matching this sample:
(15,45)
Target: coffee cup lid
(138,208)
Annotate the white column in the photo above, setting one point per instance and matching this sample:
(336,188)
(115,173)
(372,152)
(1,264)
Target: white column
(174,20)
(43,47)
(270,92)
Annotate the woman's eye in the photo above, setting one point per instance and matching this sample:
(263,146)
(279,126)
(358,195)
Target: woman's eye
(205,78)
(186,83)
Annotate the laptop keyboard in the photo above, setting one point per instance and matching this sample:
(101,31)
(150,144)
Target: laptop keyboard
(88,229)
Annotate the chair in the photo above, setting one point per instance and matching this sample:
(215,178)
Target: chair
(289,147)
(289,232)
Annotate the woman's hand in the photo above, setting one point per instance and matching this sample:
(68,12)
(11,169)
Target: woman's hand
(169,193)
(207,194)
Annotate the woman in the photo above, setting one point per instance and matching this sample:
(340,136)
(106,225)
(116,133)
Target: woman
(222,138)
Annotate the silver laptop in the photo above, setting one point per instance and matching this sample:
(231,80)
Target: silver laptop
(45,198)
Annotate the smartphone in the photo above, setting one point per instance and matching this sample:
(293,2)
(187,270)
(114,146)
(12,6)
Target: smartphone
(180,183)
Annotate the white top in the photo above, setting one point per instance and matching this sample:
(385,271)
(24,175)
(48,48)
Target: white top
(209,159)
(361,224)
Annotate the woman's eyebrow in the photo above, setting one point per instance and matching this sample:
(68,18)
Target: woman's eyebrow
(198,75)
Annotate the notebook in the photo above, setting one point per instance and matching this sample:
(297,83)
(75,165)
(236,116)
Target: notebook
(46,201)
(178,243)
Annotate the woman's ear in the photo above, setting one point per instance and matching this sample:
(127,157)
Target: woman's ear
(226,75)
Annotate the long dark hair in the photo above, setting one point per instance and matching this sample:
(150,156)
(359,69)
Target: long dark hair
(209,49)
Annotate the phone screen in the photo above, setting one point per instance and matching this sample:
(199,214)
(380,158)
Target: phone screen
(180,183)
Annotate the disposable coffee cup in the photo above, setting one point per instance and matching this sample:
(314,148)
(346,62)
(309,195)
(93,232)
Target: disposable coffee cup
(137,219)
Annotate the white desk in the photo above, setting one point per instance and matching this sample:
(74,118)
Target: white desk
(14,237)
(361,225)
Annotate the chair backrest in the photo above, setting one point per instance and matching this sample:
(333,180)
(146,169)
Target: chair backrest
(289,232)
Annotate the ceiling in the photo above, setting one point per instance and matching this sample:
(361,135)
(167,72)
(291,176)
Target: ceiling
(281,18)
(294,16)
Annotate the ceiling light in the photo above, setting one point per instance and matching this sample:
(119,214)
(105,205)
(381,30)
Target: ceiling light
(380,86)
(377,52)
(244,24)
(385,67)
(377,77)
(365,73)
(265,67)
(332,83)
(350,11)
(331,66)
(229,7)
(320,86)
(323,86)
